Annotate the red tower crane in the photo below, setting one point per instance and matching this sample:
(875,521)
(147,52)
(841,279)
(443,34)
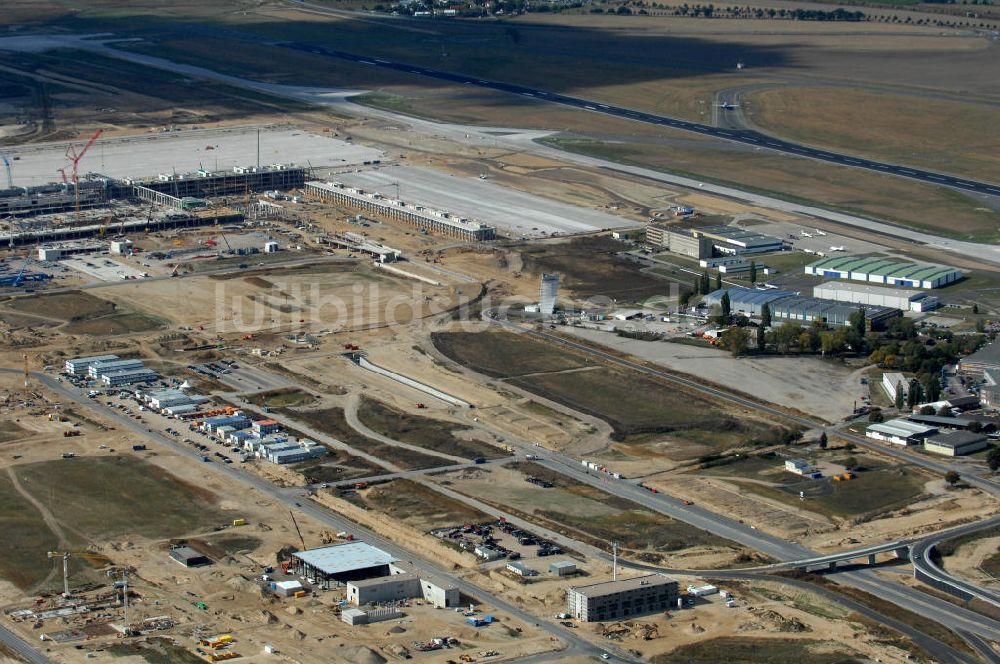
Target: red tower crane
(74,158)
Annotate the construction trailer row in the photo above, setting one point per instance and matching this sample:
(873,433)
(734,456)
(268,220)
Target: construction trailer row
(427,219)
(110,370)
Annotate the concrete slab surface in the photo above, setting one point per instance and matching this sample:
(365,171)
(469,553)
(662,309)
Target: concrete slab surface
(186,151)
(512,211)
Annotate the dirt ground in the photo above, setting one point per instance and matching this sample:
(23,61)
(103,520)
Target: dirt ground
(236,604)
(819,388)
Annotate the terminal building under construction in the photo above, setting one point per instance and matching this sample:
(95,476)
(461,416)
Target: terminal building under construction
(182,192)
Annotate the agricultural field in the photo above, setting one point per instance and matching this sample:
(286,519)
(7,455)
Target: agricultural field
(426,432)
(416,505)
(331,421)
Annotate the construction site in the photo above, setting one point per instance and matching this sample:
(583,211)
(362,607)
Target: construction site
(365,388)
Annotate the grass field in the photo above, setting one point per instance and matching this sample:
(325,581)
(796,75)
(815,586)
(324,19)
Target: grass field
(331,421)
(282,398)
(605,392)
(154,651)
(589,268)
(110,497)
(583,511)
(92,500)
(69,306)
(872,492)
(26,539)
(504,354)
(83,313)
(840,188)
(899,128)
(337,466)
(756,650)
(10,431)
(436,435)
(418,506)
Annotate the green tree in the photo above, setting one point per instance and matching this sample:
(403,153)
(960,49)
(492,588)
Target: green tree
(915,394)
(706,283)
(928,410)
(737,340)
(823,441)
(727,308)
(718,280)
(753,272)
(993,459)
(765,316)
(850,463)
(952,478)
(761,338)
(697,286)
(900,395)
(975,309)
(932,387)
(858,323)
(875,415)
(980,325)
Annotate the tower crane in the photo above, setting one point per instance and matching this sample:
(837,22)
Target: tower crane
(296,524)
(65,555)
(74,159)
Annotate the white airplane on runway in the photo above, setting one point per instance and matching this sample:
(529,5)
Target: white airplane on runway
(841,248)
(727,106)
(818,231)
(804,234)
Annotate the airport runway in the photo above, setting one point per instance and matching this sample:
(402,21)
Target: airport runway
(746,137)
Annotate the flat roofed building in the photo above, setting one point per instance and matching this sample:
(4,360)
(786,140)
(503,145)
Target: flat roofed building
(989,391)
(336,565)
(956,443)
(803,309)
(893,382)
(618,600)
(879,270)
(188,557)
(883,296)
(735,240)
(383,589)
(746,301)
(81,365)
(900,432)
(984,359)
(98,368)
(562,568)
(425,218)
(679,241)
(129,377)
